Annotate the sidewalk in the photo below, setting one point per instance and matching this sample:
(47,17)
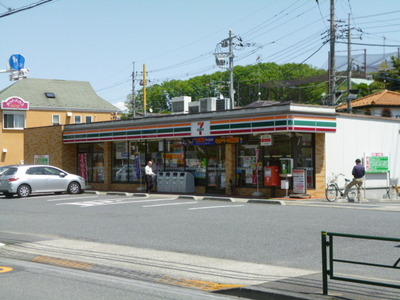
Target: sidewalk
(310,287)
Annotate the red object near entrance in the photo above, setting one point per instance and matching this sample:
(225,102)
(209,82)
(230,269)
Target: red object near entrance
(271,176)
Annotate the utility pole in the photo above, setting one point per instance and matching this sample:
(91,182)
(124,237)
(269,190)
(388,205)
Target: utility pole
(231,91)
(332,64)
(220,59)
(133,92)
(365,63)
(144,90)
(349,60)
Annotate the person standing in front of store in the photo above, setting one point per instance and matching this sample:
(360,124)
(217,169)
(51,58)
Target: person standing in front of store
(148,170)
(358,173)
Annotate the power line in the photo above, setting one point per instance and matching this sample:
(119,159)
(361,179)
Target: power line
(12,11)
(372,45)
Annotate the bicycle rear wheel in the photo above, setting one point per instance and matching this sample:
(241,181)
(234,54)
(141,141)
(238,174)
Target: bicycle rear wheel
(353,193)
(331,192)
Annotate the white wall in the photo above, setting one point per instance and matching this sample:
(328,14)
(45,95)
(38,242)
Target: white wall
(378,112)
(356,135)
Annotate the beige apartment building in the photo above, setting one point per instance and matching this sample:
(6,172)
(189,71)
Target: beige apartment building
(33,102)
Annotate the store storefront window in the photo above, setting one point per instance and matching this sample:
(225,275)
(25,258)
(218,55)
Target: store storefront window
(174,158)
(94,160)
(298,146)
(304,155)
(196,162)
(248,164)
(155,151)
(128,161)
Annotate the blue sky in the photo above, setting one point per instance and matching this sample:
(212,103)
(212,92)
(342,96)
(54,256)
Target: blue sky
(98,40)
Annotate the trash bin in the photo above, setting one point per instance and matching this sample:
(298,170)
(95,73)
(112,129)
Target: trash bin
(174,183)
(160,182)
(186,182)
(167,182)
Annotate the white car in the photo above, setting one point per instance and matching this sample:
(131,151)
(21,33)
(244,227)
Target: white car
(24,180)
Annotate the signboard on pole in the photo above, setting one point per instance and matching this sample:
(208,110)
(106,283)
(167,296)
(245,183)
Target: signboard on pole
(17,62)
(299,181)
(376,162)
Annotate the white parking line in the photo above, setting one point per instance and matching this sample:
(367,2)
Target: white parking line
(169,204)
(221,206)
(71,198)
(113,201)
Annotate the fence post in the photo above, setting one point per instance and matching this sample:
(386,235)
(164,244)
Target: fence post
(324,263)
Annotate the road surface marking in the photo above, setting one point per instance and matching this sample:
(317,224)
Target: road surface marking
(71,198)
(113,201)
(198,284)
(63,262)
(5,269)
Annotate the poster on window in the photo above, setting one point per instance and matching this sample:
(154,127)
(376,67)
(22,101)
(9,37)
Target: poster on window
(83,170)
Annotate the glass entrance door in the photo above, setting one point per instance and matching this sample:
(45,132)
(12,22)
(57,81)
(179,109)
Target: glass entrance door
(216,173)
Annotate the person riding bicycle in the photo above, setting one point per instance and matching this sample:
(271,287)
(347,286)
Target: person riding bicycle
(358,173)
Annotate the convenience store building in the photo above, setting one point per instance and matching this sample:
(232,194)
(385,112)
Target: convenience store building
(231,152)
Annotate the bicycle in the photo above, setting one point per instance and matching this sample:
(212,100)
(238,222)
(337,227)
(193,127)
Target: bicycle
(393,190)
(333,191)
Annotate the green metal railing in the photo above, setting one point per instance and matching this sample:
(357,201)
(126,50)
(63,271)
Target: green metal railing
(328,260)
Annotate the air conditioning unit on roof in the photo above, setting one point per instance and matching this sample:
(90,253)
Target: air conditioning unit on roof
(208,104)
(180,105)
(194,107)
(223,104)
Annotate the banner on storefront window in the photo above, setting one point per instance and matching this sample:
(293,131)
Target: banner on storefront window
(212,140)
(83,171)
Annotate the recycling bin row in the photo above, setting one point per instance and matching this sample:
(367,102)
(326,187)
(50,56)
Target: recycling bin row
(175,182)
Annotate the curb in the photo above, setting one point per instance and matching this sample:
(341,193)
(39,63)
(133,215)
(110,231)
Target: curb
(218,199)
(117,193)
(189,197)
(278,202)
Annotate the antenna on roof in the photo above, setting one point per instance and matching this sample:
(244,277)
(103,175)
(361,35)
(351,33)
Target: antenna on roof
(15,66)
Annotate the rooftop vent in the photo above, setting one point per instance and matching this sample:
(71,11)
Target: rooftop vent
(50,95)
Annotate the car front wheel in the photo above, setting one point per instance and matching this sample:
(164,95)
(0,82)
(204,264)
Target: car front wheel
(23,191)
(74,188)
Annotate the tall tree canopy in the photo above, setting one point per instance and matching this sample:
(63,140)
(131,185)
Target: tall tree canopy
(263,81)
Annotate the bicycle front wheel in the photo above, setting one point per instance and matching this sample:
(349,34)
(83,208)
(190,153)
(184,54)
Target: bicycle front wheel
(331,192)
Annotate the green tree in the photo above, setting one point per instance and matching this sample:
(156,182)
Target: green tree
(390,78)
(265,81)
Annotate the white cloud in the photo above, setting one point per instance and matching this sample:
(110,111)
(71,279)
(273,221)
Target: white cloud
(121,106)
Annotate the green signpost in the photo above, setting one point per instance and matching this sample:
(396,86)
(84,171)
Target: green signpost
(376,163)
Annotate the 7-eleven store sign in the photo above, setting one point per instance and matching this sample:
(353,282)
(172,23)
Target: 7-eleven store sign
(201,128)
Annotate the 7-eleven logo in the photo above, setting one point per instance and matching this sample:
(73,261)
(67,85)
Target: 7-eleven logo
(201,128)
